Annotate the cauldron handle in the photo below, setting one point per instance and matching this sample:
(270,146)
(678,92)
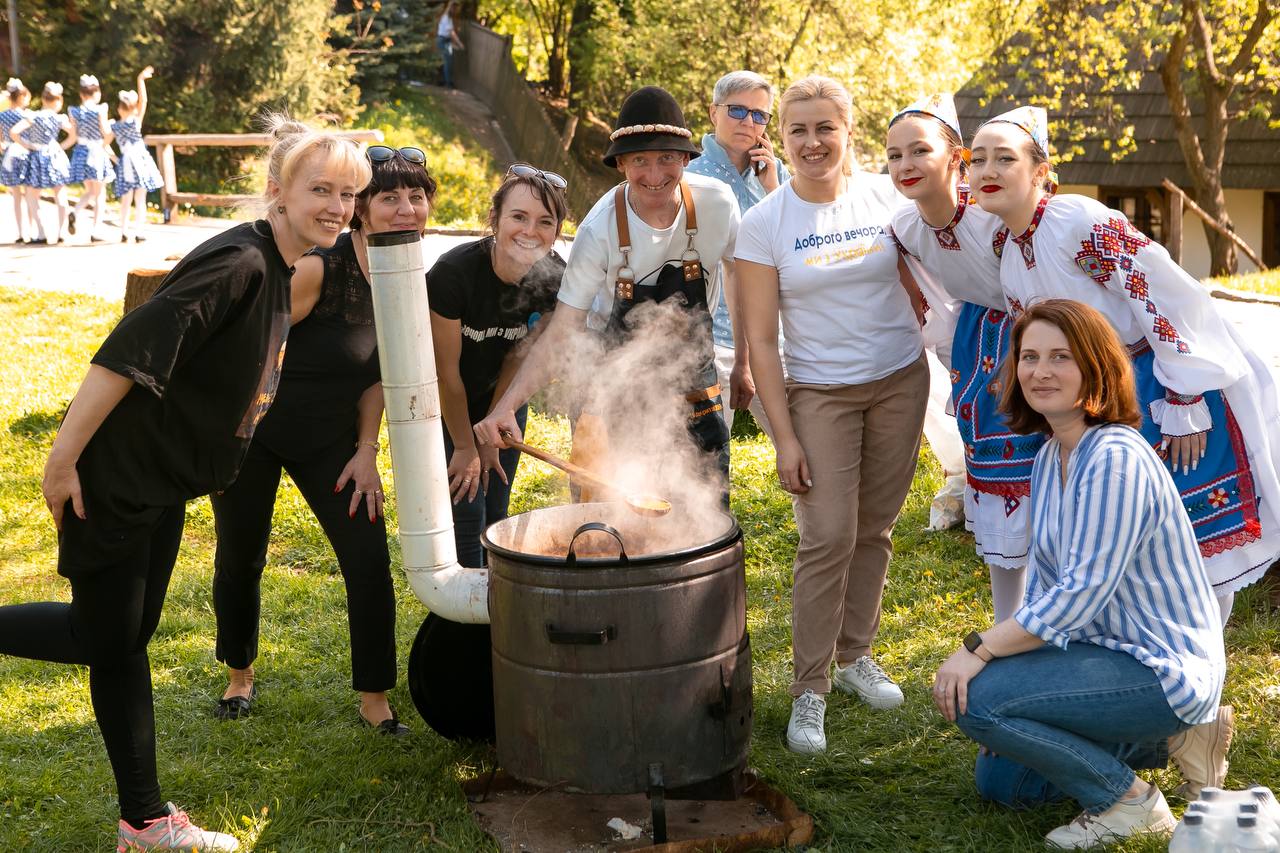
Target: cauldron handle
(571,558)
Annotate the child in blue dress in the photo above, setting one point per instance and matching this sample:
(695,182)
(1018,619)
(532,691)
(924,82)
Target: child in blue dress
(46,166)
(90,158)
(136,173)
(14,157)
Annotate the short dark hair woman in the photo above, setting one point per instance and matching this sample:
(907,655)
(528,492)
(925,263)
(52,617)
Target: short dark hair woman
(486,298)
(165,414)
(1115,660)
(323,430)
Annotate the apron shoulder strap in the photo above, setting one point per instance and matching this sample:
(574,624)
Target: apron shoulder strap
(620,214)
(690,214)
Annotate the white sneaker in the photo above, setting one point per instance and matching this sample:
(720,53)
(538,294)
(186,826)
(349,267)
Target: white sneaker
(1120,821)
(173,832)
(865,679)
(804,732)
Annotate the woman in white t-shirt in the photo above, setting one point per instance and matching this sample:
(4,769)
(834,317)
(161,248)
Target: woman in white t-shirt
(817,253)
(447,39)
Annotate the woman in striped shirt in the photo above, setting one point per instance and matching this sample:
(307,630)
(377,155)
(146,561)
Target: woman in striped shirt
(1115,660)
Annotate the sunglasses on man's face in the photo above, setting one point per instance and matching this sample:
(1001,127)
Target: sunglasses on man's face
(383,153)
(738,112)
(524,170)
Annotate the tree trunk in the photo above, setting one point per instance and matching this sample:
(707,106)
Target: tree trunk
(580,52)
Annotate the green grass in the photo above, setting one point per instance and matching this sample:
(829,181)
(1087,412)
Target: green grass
(302,776)
(1258,282)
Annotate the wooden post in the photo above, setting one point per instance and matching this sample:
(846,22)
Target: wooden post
(1214,224)
(169,172)
(1175,227)
(140,285)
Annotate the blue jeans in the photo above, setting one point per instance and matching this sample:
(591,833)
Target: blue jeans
(470,518)
(445,46)
(1073,723)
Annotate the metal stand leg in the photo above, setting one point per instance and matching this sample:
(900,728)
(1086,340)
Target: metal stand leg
(658,803)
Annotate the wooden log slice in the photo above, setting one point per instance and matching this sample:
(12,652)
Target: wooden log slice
(140,284)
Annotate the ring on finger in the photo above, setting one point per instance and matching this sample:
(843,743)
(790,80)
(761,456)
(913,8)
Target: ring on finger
(378,492)
(358,492)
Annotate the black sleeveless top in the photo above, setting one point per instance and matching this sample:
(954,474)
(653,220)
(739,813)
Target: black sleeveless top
(331,360)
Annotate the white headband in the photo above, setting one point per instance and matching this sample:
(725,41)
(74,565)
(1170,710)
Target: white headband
(88,81)
(128,97)
(14,84)
(53,90)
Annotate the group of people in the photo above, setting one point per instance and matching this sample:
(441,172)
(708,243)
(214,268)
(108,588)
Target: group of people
(1118,496)
(35,160)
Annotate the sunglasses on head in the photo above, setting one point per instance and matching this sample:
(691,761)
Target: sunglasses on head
(524,170)
(383,153)
(739,112)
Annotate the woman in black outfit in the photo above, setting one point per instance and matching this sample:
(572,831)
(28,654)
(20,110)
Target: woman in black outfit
(164,415)
(323,430)
(486,298)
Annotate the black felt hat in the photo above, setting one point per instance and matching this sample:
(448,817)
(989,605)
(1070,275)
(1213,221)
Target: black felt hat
(650,120)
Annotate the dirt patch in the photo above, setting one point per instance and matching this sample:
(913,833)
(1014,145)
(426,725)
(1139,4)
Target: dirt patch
(470,112)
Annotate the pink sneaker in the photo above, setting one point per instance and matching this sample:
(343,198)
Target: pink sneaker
(175,832)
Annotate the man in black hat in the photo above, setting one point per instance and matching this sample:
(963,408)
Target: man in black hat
(676,241)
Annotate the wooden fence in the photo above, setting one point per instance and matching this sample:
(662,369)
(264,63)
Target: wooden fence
(167,144)
(485,69)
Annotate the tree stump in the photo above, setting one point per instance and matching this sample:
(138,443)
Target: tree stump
(140,284)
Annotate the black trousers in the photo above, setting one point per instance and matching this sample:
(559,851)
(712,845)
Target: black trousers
(472,518)
(242,519)
(113,612)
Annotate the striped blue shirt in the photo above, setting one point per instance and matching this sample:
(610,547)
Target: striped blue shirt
(1114,562)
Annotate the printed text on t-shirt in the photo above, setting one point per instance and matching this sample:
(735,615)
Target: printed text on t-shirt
(834,237)
(509,333)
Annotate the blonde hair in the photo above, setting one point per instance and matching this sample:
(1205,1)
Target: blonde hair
(293,142)
(816,86)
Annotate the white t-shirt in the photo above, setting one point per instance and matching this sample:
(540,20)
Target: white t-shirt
(595,258)
(445,28)
(846,316)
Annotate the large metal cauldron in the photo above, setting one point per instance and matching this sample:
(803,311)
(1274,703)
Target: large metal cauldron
(605,664)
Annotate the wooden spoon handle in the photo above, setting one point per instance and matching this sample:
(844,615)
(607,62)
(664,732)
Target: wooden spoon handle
(564,465)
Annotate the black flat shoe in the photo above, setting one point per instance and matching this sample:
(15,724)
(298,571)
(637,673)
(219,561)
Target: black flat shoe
(71,222)
(236,707)
(391,727)
(39,241)
(96,239)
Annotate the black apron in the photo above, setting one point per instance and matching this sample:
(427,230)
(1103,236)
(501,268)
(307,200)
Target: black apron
(687,282)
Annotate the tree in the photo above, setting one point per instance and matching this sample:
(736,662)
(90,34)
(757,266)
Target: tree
(1216,61)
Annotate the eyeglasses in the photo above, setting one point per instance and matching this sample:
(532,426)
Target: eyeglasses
(383,153)
(524,170)
(739,112)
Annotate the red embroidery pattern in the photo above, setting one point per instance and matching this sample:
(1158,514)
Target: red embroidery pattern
(1110,247)
(946,235)
(1023,240)
(1218,498)
(998,241)
(988,364)
(1015,307)
(902,250)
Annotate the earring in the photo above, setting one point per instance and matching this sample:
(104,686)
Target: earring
(280,209)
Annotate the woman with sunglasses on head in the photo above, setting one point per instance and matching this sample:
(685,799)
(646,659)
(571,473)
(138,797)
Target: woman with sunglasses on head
(323,430)
(487,298)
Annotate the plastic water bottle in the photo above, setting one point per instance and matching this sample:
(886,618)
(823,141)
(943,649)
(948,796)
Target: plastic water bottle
(1265,822)
(1249,838)
(1267,805)
(1218,821)
(1193,835)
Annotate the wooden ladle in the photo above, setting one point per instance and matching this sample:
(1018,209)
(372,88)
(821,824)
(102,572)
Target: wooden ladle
(650,506)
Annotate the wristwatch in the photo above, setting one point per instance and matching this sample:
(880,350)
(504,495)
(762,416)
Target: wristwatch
(973,642)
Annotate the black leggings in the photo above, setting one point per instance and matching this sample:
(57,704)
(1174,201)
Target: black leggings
(242,518)
(113,612)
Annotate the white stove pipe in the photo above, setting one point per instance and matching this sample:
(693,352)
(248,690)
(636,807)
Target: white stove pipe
(418,465)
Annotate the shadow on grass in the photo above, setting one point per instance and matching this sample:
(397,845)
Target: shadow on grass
(36,424)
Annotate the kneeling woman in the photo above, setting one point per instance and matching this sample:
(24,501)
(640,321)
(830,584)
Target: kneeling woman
(1115,662)
(323,430)
(486,298)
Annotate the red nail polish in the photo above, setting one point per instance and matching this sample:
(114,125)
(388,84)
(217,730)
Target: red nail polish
(337,489)
(351,515)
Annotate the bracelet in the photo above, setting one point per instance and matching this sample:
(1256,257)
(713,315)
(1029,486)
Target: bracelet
(375,445)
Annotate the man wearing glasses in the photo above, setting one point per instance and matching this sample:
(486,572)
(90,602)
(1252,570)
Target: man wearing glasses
(740,154)
(662,238)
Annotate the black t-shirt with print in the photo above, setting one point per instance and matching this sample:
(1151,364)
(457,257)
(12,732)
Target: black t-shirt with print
(495,316)
(204,353)
(333,359)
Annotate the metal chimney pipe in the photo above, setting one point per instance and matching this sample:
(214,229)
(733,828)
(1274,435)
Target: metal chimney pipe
(418,465)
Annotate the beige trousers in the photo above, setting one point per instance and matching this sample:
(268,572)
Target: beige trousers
(861,442)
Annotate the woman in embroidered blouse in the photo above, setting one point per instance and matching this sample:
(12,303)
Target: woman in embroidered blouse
(1206,400)
(950,237)
(1115,661)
